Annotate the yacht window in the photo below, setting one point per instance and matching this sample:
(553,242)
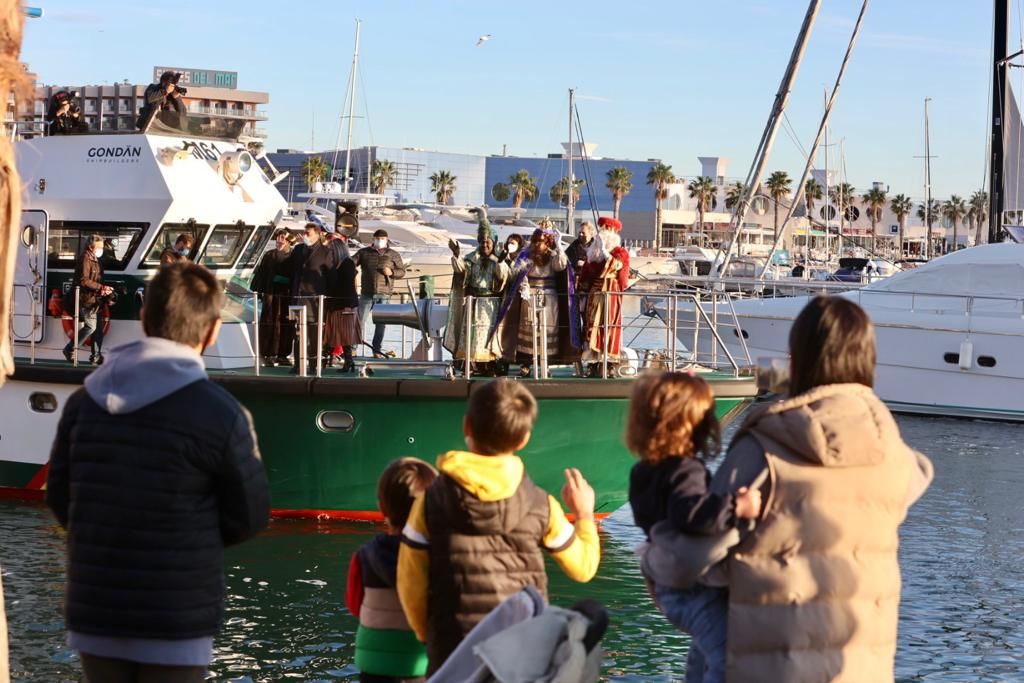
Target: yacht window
(66,241)
(256,247)
(166,237)
(224,245)
(951,358)
(987,361)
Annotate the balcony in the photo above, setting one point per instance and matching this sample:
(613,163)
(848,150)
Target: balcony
(228,112)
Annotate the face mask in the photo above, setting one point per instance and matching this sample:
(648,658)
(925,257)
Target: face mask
(310,241)
(512,248)
(380,244)
(98,252)
(183,251)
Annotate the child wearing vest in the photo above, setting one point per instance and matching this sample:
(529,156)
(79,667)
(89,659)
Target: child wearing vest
(671,425)
(386,647)
(476,536)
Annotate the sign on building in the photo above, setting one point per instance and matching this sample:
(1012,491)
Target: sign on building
(200,78)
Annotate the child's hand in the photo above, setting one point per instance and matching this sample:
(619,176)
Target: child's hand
(578,495)
(748,503)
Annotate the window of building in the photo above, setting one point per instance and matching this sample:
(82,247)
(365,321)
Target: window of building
(224,245)
(108,104)
(126,123)
(68,239)
(40,108)
(166,237)
(126,105)
(90,105)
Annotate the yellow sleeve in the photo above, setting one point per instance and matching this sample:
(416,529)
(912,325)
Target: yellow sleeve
(414,570)
(577,550)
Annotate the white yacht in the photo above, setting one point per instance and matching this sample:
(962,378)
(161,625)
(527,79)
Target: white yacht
(950,333)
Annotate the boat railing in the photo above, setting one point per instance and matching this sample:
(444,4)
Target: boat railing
(35,313)
(969,305)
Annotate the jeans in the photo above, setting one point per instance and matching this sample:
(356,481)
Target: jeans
(91,324)
(701,611)
(366,304)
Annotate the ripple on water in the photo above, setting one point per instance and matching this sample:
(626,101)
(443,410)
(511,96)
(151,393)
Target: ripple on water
(285,617)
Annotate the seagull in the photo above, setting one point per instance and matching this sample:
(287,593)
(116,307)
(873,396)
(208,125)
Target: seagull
(483,39)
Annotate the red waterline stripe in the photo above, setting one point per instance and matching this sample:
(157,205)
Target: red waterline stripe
(39,480)
(22,494)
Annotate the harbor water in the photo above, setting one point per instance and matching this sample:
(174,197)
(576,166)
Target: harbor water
(960,619)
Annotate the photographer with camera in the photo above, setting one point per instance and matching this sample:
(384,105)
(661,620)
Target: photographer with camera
(162,96)
(64,116)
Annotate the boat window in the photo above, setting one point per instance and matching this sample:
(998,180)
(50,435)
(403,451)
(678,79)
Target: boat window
(987,361)
(166,237)
(256,247)
(67,240)
(951,358)
(224,245)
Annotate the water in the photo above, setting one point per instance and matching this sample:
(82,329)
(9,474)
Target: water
(962,591)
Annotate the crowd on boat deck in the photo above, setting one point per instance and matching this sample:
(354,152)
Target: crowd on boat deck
(781,566)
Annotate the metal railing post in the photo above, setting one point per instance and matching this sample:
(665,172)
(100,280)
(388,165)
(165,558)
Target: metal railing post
(696,326)
(714,323)
(320,336)
(74,348)
(256,331)
(675,326)
(532,309)
(467,341)
(36,290)
(303,341)
(543,371)
(604,343)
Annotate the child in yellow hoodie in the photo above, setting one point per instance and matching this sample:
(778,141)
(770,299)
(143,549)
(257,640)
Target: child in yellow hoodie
(475,536)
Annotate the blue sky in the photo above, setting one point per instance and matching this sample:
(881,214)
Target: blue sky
(672,80)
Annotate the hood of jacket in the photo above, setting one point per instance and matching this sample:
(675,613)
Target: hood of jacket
(836,425)
(143,372)
(488,478)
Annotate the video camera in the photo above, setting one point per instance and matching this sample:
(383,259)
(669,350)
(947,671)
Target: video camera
(69,96)
(177,88)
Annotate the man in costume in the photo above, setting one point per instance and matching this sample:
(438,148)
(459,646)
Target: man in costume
(604,278)
(483,275)
(542,276)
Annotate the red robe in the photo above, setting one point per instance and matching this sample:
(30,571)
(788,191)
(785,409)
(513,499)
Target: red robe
(596,279)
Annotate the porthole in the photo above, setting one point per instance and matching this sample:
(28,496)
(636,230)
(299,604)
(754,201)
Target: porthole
(951,358)
(335,421)
(28,235)
(987,361)
(42,402)
(739,332)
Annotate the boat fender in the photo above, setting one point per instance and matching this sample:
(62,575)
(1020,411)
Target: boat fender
(966,354)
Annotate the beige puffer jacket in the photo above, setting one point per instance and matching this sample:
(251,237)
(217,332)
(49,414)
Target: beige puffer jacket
(815,589)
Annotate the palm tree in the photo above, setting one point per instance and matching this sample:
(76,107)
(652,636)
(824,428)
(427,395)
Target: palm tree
(928,215)
(523,186)
(778,188)
(501,192)
(704,191)
(875,200)
(954,210)
(733,194)
(442,184)
(314,169)
(812,193)
(383,174)
(559,192)
(660,176)
(620,183)
(979,212)
(901,206)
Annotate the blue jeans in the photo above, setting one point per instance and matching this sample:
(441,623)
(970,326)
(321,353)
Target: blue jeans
(90,324)
(701,611)
(366,304)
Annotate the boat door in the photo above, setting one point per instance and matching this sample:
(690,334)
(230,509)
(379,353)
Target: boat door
(29,313)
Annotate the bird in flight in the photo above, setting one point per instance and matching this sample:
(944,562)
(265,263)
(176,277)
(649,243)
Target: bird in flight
(483,39)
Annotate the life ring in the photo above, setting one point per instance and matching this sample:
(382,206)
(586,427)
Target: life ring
(67,320)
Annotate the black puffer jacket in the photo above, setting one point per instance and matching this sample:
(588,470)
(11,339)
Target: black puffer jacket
(372,263)
(151,494)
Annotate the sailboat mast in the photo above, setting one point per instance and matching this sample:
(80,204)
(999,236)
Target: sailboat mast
(1000,41)
(352,109)
(927,183)
(571,202)
(828,216)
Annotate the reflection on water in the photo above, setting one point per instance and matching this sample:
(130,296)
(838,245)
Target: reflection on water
(285,619)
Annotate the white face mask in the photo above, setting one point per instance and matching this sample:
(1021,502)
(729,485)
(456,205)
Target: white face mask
(183,251)
(310,241)
(98,252)
(380,243)
(512,248)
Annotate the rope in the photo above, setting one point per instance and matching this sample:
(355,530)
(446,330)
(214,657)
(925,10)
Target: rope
(586,168)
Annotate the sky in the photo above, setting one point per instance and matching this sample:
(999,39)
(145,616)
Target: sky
(667,80)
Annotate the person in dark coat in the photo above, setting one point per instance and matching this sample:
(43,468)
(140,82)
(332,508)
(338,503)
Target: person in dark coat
(577,251)
(380,266)
(314,267)
(149,513)
(64,116)
(159,97)
(343,329)
(92,293)
(272,279)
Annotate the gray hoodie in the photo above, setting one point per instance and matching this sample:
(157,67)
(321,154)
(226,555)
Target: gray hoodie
(142,372)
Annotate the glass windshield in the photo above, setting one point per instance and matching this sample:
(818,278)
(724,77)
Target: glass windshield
(196,125)
(168,235)
(256,246)
(224,245)
(67,240)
